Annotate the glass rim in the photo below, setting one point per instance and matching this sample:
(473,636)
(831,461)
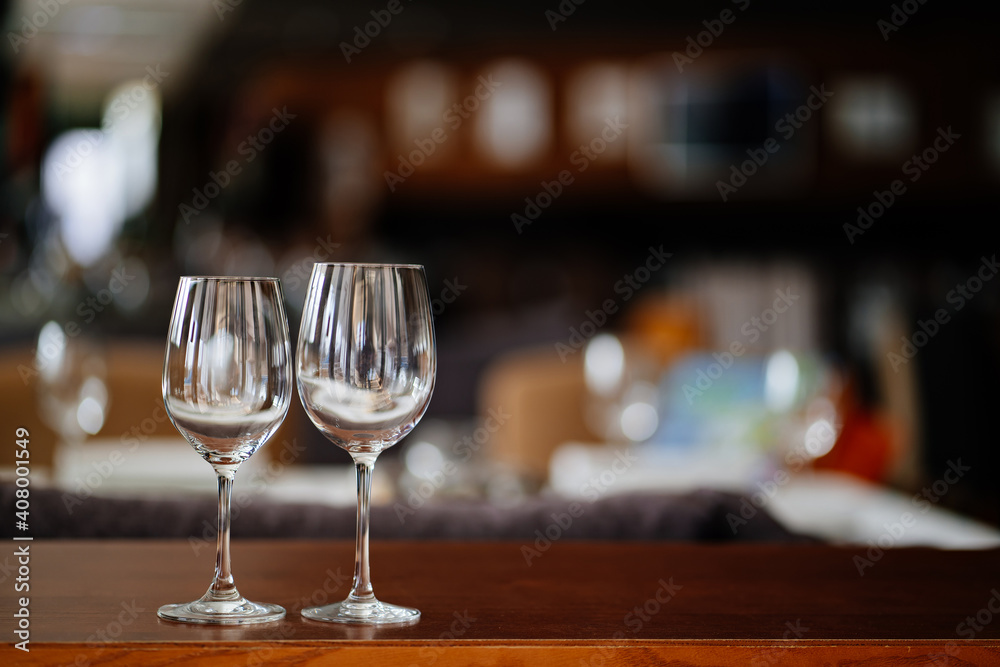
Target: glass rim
(374,265)
(231,278)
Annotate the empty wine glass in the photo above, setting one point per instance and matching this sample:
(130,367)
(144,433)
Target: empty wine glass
(72,396)
(366,363)
(227,383)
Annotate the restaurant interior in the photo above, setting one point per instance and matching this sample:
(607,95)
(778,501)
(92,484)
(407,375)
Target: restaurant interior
(702,271)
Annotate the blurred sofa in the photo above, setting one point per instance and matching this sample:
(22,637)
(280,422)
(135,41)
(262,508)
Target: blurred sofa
(700,515)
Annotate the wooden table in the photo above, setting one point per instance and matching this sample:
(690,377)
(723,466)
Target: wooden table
(578,603)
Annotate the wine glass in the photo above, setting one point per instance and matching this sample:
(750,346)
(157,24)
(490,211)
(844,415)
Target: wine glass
(366,364)
(72,395)
(227,383)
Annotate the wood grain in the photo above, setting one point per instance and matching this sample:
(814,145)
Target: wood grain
(577,603)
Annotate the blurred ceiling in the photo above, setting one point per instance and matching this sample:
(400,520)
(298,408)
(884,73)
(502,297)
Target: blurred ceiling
(84,48)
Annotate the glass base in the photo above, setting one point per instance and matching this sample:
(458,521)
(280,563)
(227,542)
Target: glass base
(222,612)
(369,612)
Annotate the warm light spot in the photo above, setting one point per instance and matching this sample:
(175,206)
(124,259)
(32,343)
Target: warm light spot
(781,381)
(424,459)
(596,95)
(820,438)
(872,118)
(514,126)
(639,421)
(604,364)
(83,184)
(417,98)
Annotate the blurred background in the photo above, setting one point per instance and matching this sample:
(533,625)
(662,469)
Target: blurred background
(740,246)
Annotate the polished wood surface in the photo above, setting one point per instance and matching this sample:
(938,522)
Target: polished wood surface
(644,603)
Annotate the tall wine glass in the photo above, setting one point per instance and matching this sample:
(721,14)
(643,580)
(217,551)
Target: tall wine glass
(366,364)
(227,383)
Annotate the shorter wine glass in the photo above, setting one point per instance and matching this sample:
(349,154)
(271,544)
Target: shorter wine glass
(227,382)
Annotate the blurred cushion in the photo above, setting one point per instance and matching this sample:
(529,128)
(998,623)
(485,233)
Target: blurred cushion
(701,515)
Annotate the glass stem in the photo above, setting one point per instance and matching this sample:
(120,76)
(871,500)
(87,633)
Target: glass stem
(223,587)
(361,590)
